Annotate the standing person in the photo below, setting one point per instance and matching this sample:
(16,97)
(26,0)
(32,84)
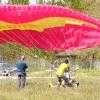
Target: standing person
(60,72)
(21,68)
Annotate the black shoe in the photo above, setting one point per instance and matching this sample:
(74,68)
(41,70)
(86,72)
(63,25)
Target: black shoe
(77,84)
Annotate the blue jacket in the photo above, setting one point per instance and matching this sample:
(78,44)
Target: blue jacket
(21,66)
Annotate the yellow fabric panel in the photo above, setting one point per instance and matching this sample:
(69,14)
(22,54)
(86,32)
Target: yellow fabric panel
(40,25)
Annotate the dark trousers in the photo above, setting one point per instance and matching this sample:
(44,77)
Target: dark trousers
(21,80)
(60,80)
(66,81)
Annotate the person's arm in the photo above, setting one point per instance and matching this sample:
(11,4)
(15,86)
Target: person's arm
(74,71)
(26,68)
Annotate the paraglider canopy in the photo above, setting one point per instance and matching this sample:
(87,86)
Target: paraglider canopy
(48,27)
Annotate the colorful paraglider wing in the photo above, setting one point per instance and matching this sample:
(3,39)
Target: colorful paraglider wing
(48,27)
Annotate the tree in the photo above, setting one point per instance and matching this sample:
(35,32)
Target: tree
(22,2)
(41,2)
(52,2)
(0,1)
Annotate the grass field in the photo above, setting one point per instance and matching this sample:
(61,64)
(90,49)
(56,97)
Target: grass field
(37,88)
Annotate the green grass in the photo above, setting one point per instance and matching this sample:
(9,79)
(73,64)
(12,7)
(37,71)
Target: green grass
(94,72)
(37,88)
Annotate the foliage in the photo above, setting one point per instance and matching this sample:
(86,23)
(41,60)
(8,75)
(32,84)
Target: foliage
(41,1)
(80,5)
(22,2)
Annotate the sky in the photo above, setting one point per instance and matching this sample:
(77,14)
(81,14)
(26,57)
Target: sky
(31,1)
